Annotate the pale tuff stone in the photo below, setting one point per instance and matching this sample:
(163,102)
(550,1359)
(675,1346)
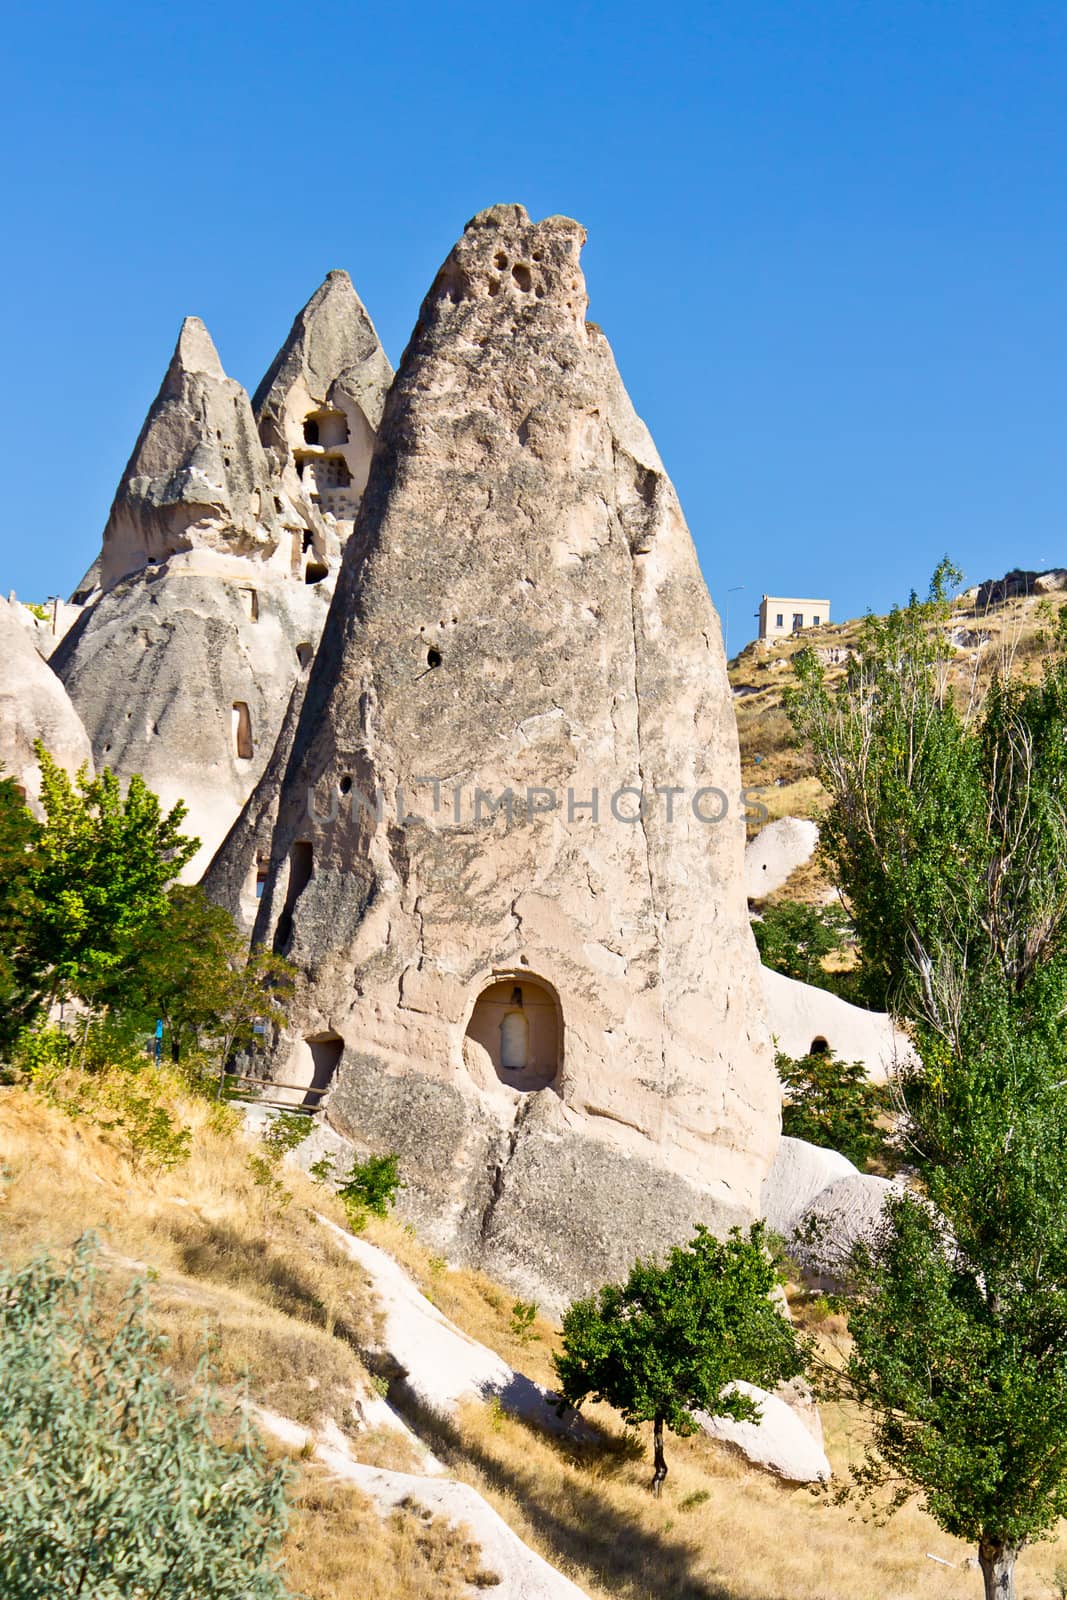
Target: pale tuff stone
(215,588)
(822,1205)
(33,705)
(318,410)
(520,606)
(198,477)
(778,1443)
(804,1018)
(776,852)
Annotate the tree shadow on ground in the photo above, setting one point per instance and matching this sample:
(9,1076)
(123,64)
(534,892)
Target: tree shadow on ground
(623,1557)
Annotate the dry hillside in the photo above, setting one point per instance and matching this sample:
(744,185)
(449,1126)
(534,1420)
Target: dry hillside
(247,1264)
(1010,636)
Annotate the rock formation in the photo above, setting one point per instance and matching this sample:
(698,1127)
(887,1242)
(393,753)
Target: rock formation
(317,410)
(198,477)
(549,1006)
(214,584)
(33,705)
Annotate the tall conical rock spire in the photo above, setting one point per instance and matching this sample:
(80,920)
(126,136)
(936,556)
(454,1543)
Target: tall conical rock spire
(318,410)
(198,476)
(549,1007)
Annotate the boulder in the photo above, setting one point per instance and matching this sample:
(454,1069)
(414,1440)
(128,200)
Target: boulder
(822,1205)
(34,705)
(800,1173)
(804,1018)
(543,997)
(776,852)
(778,1443)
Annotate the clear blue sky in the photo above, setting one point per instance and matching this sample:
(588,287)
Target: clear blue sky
(827,241)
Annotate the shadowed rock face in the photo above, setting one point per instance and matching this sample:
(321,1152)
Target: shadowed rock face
(215,586)
(555,1020)
(198,476)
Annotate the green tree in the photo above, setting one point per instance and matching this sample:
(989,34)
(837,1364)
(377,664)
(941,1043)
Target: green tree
(948,830)
(370,1185)
(112,1483)
(100,878)
(795,939)
(832,1103)
(673,1338)
(21,978)
(192,970)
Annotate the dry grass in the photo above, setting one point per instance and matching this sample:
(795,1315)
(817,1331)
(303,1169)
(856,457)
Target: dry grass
(339,1547)
(281,1301)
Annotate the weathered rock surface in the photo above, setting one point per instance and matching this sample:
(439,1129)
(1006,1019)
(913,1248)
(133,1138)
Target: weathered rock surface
(822,1205)
(800,1173)
(801,1015)
(318,410)
(434,1363)
(198,477)
(182,673)
(33,705)
(555,1019)
(778,1443)
(215,587)
(776,852)
(510,1570)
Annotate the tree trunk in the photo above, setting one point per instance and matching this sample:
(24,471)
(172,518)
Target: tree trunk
(658,1457)
(997,1561)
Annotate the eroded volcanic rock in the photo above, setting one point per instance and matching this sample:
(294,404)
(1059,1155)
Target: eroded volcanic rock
(553,1016)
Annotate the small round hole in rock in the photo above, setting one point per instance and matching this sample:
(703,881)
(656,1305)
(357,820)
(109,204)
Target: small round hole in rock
(345,783)
(494,285)
(500,261)
(433,658)
(522,277)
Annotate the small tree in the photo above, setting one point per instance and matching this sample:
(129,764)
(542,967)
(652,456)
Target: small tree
(100,878)
(795,939)
(832,1103)
(673,1339)
(22,978)
(192,969)
(112,1483)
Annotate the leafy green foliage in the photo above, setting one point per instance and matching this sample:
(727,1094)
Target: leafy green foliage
(673,1338)
(948,829)
(831,1103)
(112,1484)
(194,972)
(796,939)
(20,910)
(370,1185)
(100,878)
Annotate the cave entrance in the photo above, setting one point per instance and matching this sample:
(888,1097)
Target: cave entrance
(517,1022)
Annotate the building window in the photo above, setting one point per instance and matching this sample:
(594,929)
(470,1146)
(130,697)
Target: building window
(798,621)
(815,620)
(779,621)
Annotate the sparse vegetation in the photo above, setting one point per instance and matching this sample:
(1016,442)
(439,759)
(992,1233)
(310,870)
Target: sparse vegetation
(371,1186)
(112,1481)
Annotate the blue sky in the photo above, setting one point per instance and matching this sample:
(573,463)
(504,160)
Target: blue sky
(826,241)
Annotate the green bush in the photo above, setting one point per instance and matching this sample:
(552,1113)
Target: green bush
(832,1103)
(371,1185)
(112,1483)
